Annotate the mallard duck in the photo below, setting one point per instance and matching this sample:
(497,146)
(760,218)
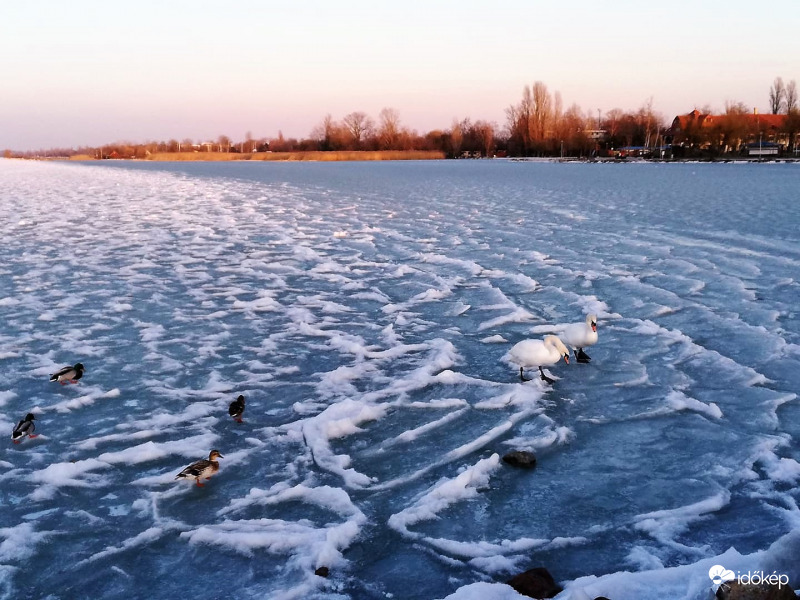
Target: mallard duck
(538,353)
(67,375)
(580,335)
(202,469)
(24,428)
(236,409)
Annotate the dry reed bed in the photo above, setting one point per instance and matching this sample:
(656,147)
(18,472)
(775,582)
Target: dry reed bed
(300,156)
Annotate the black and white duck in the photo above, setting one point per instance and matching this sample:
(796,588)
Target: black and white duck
(24,428)
(67,375)
(236,409)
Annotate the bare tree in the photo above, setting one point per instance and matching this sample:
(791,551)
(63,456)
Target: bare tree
(389,128)
(733,126)
(542,111)
(573,130)
(613,120)
(776,95)
(486,132)
(558,105)
(627,128)
(512,125)
(325,133)
(792,128)
(457,136)
(360,126)
(559,127)
(518,120)
(650,121)
(790,97)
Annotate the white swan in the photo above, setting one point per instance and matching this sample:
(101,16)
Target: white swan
(538,353)
(581,335)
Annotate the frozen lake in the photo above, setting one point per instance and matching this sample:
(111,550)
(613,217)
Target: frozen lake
(364,310)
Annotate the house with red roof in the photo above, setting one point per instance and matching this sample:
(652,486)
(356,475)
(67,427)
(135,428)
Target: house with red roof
(729,132)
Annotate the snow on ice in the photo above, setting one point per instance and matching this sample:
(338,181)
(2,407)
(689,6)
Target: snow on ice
(363,310)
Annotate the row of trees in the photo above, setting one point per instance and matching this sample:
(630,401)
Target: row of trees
(783,98)
(554,132)
(538,125)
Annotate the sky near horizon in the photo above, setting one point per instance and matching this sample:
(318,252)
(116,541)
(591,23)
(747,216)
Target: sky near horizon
(84,73)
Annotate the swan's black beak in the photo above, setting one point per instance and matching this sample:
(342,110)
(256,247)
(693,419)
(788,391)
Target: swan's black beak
(594,327)
(566,358)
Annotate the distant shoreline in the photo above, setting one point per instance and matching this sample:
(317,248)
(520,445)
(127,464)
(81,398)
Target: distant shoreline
(333,155)
(395,155)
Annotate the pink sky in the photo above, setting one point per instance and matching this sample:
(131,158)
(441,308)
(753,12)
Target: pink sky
(87,73)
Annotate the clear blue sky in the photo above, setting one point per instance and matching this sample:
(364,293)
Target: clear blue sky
(79,72)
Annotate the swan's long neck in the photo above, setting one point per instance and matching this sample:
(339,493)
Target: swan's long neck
(552,344)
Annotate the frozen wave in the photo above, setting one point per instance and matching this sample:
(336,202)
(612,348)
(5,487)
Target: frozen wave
(365,320)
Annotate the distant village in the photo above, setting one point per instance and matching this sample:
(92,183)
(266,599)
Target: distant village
(537,126)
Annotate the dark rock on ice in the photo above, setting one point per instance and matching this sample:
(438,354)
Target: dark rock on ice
(765,591)
(520,458)
(536,583)
(322,571)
